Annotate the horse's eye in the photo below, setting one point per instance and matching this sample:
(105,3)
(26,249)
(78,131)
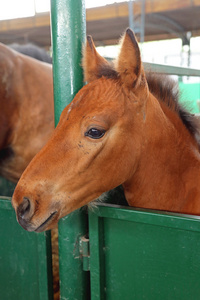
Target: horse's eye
(95,133)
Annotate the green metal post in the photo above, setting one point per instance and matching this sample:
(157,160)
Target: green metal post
(68,36)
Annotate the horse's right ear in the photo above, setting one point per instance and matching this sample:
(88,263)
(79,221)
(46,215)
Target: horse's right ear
(92,62)
(128,64)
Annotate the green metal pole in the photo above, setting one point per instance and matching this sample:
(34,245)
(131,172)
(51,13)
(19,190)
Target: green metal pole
(68,35)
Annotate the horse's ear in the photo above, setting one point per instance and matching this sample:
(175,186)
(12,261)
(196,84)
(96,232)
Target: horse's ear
(128,64)
(92,62)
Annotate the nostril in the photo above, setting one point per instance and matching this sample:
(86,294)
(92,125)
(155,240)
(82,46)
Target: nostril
(24,209)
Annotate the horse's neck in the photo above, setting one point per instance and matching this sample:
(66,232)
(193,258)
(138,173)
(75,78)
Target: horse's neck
(167,176)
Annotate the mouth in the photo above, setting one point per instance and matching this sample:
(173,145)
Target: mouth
(46,222)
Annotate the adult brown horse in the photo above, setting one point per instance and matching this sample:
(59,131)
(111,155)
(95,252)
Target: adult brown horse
(121,128)
(26,106)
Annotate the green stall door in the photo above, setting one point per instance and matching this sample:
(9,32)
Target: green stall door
(25,259)
(143,255)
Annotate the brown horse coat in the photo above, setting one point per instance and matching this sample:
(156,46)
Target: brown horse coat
(121,128)
(26,106)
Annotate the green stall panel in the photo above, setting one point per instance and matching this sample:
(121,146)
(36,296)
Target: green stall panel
(136,254)
(68,36)
(6,187)
(25,259)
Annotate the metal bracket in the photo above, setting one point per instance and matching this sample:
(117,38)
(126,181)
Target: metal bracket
(85,252)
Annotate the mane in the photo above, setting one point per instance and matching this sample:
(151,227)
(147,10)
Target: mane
(165,89)
(32,51)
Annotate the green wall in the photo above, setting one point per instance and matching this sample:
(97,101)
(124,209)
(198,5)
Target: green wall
(190,93)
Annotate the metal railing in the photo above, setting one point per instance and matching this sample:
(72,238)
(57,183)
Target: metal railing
(171,70)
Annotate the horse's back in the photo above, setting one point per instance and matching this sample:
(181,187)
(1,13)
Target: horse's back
(26,105)
(24,76)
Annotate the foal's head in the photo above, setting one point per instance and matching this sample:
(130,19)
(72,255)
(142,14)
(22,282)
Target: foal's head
(96,144)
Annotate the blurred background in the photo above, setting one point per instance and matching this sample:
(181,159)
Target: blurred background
(168,30)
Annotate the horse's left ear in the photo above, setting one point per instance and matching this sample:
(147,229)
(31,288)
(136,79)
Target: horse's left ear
(128,64)
(92,62)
